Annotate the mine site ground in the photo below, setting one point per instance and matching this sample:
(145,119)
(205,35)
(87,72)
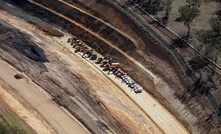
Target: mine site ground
(61,92)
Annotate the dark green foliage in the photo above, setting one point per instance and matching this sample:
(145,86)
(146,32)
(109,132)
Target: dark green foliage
(167,6)
(198,63)
(212,37)
(11,130)
(194,3)
(150,6)
(215,24)
(218,13)
(202,86)
(187,15)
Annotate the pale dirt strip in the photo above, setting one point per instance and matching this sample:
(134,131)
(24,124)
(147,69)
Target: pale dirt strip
(56,116)
(23,113)
(59,120)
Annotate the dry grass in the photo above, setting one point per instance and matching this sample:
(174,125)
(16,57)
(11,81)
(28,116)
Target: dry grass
(200,23)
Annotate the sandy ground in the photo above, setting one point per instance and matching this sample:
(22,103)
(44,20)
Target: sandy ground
(38,98)
(146,125)
(23,113)
(156,118)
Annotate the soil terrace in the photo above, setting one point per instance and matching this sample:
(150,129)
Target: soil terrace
(72,85)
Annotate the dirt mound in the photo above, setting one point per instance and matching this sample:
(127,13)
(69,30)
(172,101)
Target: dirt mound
(18,76)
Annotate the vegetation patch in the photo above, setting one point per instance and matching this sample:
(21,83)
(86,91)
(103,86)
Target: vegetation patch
(11,124)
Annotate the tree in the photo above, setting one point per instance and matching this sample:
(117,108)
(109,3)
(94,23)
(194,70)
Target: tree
(198,63)
(187,15)
(215,24)
(205,76)
(4,129)
(211,38)
(150,6)
(194,3)
(167,5)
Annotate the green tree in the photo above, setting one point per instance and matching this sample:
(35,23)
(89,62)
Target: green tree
(4,129)
(211,38)
(215,24)
(194,3)
(204,74)
(167,5)
(187,15)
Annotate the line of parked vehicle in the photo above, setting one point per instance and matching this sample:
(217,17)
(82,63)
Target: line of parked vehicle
(107,63)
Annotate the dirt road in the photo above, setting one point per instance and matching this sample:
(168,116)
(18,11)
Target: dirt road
(62,122)
(23,113)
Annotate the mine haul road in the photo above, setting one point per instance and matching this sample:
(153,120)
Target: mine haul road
(157,118)
(57,117)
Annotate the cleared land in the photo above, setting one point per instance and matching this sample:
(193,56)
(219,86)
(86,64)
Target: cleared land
(58,119)
(103,82)
(96,102)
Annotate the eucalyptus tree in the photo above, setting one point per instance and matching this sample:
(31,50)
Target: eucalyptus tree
(187,15)
(194,3)
(167,6)
(211,38)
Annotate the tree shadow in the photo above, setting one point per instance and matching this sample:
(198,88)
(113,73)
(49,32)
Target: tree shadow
(218,13)
(181,42)
(164,20)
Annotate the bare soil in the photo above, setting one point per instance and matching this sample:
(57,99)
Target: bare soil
(91,101)
(73,85)
(167,72)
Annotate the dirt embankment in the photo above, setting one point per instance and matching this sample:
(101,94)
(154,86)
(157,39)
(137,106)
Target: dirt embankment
(95,42)
(87,99)
(143,52)
(155,58)
(74,85)
(99,45)
(140,48)
(146,53)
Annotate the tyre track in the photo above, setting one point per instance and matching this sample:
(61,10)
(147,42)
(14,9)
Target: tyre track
(153,76)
